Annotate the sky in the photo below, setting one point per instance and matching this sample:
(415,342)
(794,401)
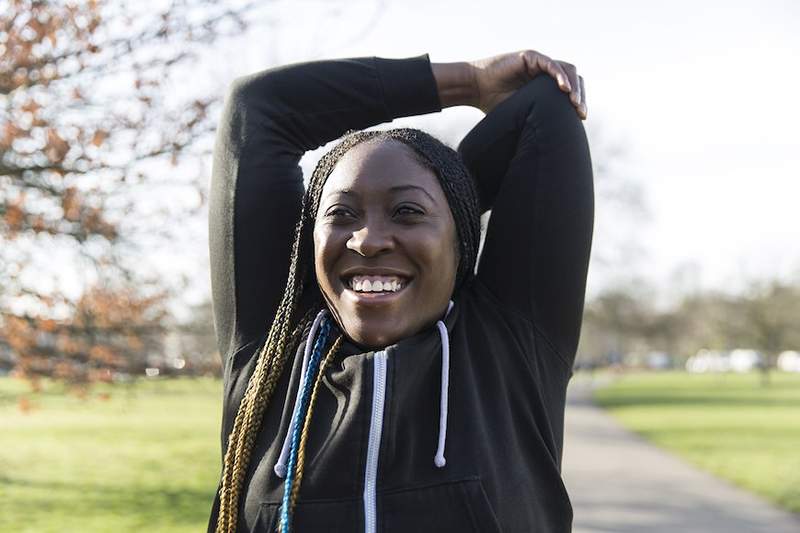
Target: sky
(697,101)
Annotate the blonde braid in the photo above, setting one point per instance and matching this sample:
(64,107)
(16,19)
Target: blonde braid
(269,367)
(237,455)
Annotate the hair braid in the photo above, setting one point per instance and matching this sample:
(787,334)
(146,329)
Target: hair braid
(301,450)
(308,392)
(302,299)
(260,387)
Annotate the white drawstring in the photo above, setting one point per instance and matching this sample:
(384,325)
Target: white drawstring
(439,459)
(280,466)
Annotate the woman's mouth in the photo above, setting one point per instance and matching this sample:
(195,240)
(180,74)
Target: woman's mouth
(372,284)
(375,288)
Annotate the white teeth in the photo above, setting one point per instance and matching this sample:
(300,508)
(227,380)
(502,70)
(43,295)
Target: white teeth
(361,284)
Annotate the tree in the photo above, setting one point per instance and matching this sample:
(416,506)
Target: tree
(771,311)
(86,117)
(615,322)
(110,331)
(763,318)
(196,340)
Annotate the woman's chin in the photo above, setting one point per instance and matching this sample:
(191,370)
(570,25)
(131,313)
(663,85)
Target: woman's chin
(374,336)
(373,342)
(374,329)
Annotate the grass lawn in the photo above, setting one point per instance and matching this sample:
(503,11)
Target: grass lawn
(727,424)
(145,459)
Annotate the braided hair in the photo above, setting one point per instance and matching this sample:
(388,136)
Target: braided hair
(302,300)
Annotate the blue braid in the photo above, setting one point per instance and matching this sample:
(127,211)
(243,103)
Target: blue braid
(297,423)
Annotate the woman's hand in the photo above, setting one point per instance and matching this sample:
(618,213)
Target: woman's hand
(496,78)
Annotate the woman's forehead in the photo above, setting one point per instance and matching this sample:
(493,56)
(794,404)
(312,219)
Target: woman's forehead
(384,167)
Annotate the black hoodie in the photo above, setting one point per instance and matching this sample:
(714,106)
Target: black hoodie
(483,390)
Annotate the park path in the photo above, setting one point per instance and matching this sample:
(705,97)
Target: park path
(619,483)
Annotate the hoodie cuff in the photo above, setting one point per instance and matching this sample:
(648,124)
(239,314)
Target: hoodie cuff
(409,87)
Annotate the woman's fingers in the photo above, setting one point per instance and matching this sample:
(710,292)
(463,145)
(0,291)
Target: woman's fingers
(565,74)
(583,110)
(554,69)
(572,72)
(538,63)
(578,94)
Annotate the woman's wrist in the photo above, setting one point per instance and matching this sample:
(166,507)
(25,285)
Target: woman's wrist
(455,83)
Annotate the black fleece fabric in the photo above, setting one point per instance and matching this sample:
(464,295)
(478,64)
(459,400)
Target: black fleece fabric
(513,331)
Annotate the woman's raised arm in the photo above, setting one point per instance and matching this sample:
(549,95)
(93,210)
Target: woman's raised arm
(531,160)
(270,119)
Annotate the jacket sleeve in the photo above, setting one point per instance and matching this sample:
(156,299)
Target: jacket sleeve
(530,158)
(269,120)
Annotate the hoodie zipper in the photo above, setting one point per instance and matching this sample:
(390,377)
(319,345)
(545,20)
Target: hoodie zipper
(374,445)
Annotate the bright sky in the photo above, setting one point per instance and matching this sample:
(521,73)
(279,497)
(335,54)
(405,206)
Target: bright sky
(702,99)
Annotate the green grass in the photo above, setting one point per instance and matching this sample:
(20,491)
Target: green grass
(729,425)
(146,459)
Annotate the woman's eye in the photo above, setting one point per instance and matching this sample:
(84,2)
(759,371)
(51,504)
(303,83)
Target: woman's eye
(339,212)
(407,210)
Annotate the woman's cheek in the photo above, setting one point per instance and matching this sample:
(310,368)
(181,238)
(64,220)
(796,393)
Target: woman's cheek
(322,254)
(439,249)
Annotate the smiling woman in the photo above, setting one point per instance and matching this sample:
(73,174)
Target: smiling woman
(385,221)
(366,284)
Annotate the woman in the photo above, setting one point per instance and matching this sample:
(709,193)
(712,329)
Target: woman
(374,381)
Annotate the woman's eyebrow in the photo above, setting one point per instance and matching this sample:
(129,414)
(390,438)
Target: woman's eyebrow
(399,188)
(346,192)
(395,189)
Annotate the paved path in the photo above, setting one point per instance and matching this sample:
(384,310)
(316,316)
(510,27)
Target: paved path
(619,483)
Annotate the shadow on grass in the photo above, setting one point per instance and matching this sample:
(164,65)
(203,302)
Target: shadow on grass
(141,504)
(677,398)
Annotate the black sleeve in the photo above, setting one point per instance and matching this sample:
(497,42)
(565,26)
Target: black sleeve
(268,121)
(530,158)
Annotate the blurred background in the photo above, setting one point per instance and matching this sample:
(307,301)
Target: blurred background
(690,350)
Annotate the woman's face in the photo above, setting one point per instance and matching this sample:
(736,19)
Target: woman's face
(385,249)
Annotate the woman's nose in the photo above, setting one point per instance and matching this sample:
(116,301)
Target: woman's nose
(370,240)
